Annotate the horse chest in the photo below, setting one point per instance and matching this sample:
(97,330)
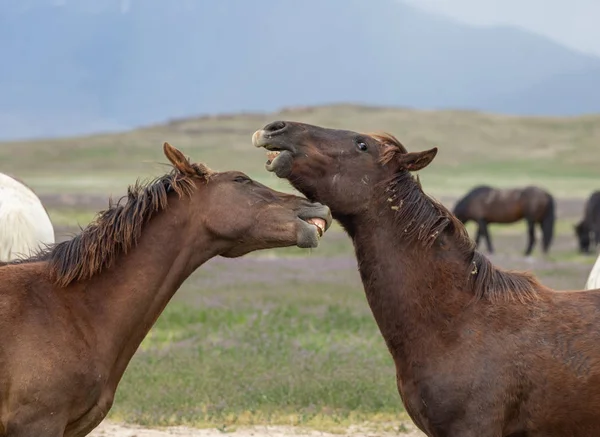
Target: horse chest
(433,404)
(84,424)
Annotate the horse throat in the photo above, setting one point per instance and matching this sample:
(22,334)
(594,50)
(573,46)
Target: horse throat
(404,284)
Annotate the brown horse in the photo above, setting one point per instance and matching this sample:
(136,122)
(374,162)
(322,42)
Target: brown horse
(479,351)
(485,205)
(588,229)
(72,317)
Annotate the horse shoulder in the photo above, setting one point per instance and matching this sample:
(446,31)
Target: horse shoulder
(42,327)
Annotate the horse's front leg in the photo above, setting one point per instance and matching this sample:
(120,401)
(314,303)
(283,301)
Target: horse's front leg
(478,235)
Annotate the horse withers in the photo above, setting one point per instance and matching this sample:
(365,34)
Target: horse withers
(25,227)
(485,205)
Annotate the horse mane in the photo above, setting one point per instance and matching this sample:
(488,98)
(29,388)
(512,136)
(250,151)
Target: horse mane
(114,231)
(422,219)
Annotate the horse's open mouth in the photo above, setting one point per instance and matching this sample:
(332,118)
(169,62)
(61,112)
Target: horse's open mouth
(320,224)
(278,159)
(272,155)
(279,154)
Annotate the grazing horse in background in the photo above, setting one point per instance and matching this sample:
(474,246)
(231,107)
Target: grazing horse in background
(479,351)
(73,316)
(484,205)
(25,227)
(588,229)
(593,281)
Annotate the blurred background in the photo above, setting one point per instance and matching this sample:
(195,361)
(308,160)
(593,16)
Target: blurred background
(90,89)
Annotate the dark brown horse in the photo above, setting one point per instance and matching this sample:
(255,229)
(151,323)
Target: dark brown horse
(486,205)
(72,317)
(479,351)
(588,229)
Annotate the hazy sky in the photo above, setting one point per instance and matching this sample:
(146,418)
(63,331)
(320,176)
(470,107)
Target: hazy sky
(571,22)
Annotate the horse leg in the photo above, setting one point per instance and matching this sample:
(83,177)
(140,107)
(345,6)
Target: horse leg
(478,235)
(483,227)
(530,236)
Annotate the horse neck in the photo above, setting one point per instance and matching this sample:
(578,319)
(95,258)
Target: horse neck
(409,287)
(126,300)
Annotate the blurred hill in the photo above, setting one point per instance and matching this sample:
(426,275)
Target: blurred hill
(561,154)
(72,67)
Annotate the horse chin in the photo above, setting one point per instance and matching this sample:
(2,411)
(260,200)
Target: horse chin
(281,165)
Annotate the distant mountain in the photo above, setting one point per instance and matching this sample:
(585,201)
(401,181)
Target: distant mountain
(575,92)
(75,66)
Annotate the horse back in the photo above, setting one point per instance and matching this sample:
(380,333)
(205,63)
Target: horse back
(535,202)
(502,205)
(25,226)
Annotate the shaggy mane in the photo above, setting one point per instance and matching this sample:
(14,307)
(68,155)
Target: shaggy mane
(114,231)
(423,219)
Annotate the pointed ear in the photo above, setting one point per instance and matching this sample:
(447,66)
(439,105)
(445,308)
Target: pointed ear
(415,161)
(182,164)
(178,159)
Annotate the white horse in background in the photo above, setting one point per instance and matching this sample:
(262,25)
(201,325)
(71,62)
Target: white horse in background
(25,227)
(593,281)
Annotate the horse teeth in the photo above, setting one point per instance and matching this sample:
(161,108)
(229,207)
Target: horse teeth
(272,154)
(320,225)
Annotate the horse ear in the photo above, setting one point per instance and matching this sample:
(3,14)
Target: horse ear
(182,164)
(415,161)
(178,159)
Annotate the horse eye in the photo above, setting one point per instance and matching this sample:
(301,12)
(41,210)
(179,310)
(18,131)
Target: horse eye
(241,179)
(362,146)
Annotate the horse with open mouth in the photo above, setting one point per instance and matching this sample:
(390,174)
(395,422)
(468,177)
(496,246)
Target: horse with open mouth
(73,316)
(479,351)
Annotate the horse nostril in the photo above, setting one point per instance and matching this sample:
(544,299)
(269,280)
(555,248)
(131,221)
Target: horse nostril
(275,127)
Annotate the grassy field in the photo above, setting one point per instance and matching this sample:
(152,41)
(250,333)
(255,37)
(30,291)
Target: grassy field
(286,336)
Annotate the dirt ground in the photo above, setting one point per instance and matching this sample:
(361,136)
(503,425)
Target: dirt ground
(109,429)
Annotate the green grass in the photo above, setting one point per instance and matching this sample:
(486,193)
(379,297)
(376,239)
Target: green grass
(258,342)
(70,216)
(298,363)
(264,349)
